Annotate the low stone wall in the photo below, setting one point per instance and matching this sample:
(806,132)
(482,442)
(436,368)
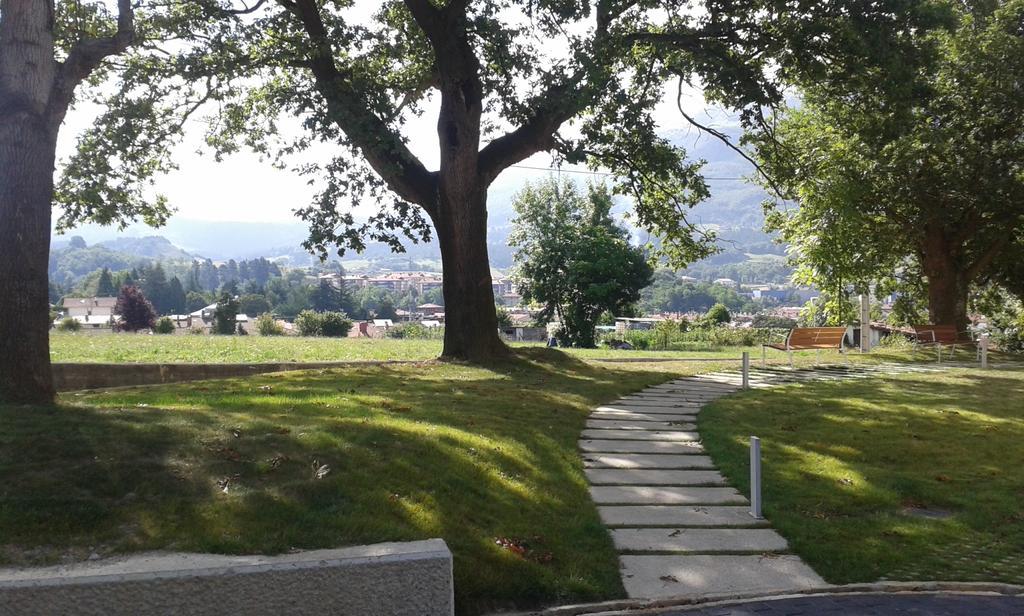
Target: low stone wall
(393,579)
(73,376)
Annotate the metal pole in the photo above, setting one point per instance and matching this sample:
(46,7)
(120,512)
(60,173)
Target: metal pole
(984,350)
(746,370)
(755,477)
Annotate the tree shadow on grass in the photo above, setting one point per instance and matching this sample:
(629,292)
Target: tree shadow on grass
(846,464)
(484,457)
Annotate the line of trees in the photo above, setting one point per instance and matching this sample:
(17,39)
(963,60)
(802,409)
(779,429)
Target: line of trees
(501,98)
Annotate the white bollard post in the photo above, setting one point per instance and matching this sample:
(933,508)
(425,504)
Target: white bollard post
(746,370)
(755,477)
(984,350)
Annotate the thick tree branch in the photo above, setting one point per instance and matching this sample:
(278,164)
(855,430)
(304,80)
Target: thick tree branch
(535,135)
(383,148)
(987,256)
(85,57)
(728,142)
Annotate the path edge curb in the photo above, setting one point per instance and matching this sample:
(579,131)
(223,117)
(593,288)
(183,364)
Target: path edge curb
(626,607)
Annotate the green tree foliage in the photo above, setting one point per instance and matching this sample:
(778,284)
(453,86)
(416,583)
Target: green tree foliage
(266,325)
(164,325)
(330,324)
(572,259)
(718,315)
(922,178)
(504,318)
(134,310)
(668,293)
(69,325)
(253,304)
(105,285)
(224,315)
(503,88)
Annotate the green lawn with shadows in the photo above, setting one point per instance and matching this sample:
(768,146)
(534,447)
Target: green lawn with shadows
(911,477)
(484,457)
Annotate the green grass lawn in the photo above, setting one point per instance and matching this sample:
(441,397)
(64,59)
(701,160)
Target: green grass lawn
(846,463)
(478,456)
(144,348)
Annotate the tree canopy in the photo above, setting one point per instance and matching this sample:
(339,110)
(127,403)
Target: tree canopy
(922,181)
(572,259)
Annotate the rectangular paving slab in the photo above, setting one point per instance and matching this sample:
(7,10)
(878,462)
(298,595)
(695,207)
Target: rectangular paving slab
(645,460)
(653,409)
(625,424)
(649,477)
(677,515)
(668,495)
(634,416)
(642,435)
(660,576)
(697,540)
(669,404)
(621,446)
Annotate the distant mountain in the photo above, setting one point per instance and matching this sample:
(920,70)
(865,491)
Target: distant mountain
(734,210)
(152,247)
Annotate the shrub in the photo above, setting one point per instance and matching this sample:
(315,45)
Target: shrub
(334,324)
(196,331)
(266,325)
(415,330)
(330,324)
(69,325)
(164,326)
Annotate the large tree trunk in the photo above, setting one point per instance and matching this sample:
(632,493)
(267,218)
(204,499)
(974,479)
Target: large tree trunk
(471,322)
(28,129)
(948,280)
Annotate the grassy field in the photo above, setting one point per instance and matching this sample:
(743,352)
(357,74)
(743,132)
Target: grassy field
(144,348)
(484,457)
(852,470)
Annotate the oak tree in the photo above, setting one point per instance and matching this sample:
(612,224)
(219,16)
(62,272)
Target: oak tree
(924,182)
(505,79)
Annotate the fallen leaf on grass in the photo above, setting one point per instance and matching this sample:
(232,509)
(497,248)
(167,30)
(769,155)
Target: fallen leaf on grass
(320,470)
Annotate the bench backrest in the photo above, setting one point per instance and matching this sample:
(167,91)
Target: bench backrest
(945,334)
(816,337)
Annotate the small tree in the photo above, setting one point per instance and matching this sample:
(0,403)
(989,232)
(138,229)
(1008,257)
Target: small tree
(266,325)
(309,323)
(718,315)
(225,315)
(105,285)
(571,257)
(134,309)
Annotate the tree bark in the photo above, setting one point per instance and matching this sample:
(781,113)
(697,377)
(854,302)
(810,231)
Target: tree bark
(948,279)
(28,141)
(471,322)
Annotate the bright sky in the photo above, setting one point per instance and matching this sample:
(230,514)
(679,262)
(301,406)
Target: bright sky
(242,188)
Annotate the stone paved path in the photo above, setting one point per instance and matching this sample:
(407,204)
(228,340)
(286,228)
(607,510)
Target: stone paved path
(679,528)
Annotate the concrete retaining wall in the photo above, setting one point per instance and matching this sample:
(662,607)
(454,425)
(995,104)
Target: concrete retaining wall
(393,579)
(70,376)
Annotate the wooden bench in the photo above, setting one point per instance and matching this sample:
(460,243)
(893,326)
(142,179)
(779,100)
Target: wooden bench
(804,338)
(940,336)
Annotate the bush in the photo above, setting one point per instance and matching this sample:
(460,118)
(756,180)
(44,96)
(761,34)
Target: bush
(164,326)
(415,330)
(330,324)
(266,325)
(196,331)
(334,324)
(69,325)
(668,336)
